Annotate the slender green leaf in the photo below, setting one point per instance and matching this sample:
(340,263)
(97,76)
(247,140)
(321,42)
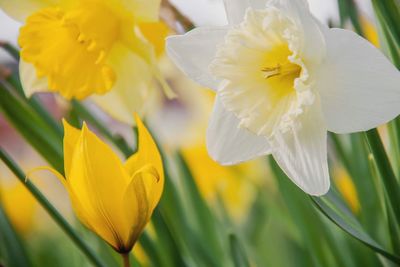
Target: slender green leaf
(312,230)
(32,127)
(238,254)
(12,50)
(199,207)
(388,12)
(342,217)
(11,246)
(385,170)
(51,210)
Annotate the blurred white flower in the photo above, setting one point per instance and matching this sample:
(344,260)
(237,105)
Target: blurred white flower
(282,81)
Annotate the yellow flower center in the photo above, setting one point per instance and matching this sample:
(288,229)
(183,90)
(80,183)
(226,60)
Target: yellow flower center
(70,47)
(264,80)
(279,72)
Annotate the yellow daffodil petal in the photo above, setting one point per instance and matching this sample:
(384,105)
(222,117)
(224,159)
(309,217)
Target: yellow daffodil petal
(144,10)
(132,89)
(71,137)
(97,179)
(21,9)
(346,187)
(70,47)
(143,48)
(21,217)
(31,83)
(370,31)
(155,33)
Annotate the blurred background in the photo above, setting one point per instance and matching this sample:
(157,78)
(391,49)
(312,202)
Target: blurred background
(210,215)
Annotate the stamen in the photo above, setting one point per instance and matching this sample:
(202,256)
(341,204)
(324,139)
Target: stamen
(281,70)
(272,72)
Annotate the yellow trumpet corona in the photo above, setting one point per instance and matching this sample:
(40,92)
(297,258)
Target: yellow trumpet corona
(112,199)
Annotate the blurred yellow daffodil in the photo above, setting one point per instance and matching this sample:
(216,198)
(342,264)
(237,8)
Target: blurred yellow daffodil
(231,183)
(84,47)
(19,205)
(137,94)
(370,31)
(348,190)
(112,199)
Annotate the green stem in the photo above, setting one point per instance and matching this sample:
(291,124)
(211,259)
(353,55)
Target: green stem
(125,258)
(35,103)
(51,210)
(340,152)
(385,171)
(11,50)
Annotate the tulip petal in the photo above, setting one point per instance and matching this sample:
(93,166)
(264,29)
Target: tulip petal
(229,144)
(141,198)
(359,87)
(147,154)
(71,137)
(235,10)
(31,83)
(302,152)
(97,180)
(21,9)
(194,51)
(132,87)
(83,213)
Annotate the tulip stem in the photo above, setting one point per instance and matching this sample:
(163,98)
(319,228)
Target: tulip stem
(51,210)
(125,258)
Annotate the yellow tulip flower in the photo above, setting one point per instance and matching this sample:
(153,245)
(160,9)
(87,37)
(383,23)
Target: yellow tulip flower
(112,199)
(84,47)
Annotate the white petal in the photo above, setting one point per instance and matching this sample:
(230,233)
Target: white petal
(21,9)
(227,143)
(359,87)
(258,4)
(29,80)
(235,10)
(302,152)
(194,51)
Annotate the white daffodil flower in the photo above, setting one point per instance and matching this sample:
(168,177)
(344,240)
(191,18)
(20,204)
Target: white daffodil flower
(282,81)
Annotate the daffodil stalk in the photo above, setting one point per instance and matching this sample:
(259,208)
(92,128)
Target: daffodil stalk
(171,15)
